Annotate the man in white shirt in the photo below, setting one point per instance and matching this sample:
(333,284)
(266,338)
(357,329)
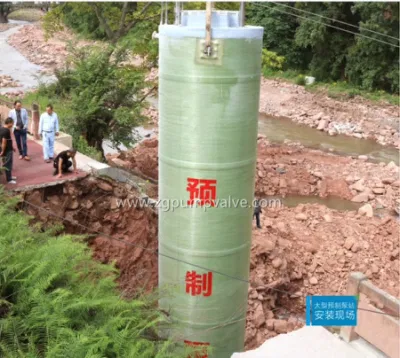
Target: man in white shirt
(20,117)
(48,128)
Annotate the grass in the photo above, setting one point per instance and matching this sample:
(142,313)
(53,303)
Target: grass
(26,14)
(60,106)
(338,90)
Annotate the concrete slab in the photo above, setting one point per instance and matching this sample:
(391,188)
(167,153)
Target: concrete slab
(35,173)
(307,342)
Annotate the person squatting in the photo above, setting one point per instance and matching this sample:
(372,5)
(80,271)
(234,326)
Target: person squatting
(17,122)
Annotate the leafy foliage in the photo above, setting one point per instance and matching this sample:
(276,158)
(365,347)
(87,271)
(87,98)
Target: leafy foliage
(372,64)
(331,54)
(104,97)
(5,10)
(55,301)
(270,60)
(279,33)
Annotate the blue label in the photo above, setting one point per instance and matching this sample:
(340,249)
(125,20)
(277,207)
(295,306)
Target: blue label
(331,310)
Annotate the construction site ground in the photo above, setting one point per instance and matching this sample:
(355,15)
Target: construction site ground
(303,250)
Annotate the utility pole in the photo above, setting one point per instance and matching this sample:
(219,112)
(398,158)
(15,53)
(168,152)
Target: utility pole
(242,14)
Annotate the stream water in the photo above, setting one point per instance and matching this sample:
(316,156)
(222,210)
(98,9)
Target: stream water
(279,129)
(331,202)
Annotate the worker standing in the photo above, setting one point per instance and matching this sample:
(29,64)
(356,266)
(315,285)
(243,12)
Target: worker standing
(20,117)
(7,150)
(257,212)
(48,129)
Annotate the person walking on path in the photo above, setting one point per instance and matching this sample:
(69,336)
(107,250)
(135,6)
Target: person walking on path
(48,128)
(20,117)
(63,162)
(257,212)
(7,149)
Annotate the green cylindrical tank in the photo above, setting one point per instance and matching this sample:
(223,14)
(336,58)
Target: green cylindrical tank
(208,107)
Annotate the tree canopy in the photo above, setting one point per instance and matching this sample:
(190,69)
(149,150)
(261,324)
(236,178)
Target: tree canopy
(333,41)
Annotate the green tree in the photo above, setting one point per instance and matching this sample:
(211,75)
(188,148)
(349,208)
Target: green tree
(109,20)
(106,98)
(279,32)
(5,10)
(371,64)
(56,301)
(329,46)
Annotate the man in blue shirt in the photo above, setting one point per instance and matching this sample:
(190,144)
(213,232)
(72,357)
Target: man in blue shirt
(48,128)
(20,117)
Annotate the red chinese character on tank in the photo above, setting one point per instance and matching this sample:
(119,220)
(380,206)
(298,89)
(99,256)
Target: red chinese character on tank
(197,284)
(200,347)
(202,191)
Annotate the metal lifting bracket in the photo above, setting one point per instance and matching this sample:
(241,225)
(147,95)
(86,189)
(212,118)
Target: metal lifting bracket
(208,44)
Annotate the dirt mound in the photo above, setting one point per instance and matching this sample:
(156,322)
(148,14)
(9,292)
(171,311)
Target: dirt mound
(311,250)
(142,160)
(94,203)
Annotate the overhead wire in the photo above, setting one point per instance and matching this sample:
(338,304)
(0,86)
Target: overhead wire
(335,20)
(325,24)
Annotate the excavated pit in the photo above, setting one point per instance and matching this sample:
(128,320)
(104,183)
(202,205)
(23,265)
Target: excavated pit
(307,250)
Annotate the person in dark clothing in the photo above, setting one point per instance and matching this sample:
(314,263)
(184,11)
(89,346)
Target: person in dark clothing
(257,212)
(7,150)
(20,117)
(64,161)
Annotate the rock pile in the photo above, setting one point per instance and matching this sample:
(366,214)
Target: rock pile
(30,41)
(311,250)
(8,81)
(356,117)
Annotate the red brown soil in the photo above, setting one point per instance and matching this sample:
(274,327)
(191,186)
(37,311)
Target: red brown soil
(93,203)
(293,170)
(303,251)
(142,160)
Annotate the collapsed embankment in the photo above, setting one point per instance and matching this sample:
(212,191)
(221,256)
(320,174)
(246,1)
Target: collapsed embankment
(299,251)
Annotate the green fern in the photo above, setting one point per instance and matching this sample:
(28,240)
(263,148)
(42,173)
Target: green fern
(57,302)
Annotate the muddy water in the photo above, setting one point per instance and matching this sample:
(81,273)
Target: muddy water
(279,129)
(331,202)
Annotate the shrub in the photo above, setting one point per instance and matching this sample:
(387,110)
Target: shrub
(270,60)
(300,80)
